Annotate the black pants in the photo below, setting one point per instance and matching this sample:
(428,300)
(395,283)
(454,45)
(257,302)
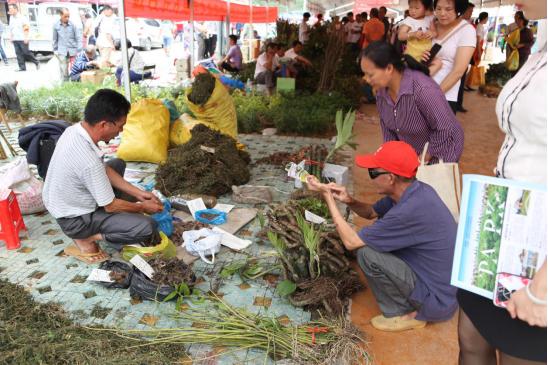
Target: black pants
(454,106)
(227,67)
(23,54)
(460,98)
(117,229)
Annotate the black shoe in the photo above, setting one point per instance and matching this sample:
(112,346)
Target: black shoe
(461,109)
(38,66)
(466,88)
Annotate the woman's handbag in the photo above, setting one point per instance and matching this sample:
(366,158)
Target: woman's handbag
(445,179)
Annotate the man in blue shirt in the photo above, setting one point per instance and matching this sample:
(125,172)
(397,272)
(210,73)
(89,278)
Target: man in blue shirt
(86,60)
(407,253)
(67,41)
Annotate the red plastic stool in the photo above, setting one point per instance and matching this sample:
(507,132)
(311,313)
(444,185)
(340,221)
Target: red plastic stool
(11,222)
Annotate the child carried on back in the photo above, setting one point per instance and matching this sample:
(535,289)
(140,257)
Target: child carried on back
(418,28)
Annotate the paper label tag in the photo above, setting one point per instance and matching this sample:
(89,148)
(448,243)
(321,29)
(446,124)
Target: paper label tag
(100,275)
(297,171)
(195,205)
(311,217)
(231,241)
(142,265)
(224,207)
(207,149)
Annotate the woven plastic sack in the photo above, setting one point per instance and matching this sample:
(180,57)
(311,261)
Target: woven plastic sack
(146,133)
(512,62)
(218,112)
(416,47)
(166,249)
(17,176)
(179,132)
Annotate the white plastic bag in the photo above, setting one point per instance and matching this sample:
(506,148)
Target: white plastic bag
(17,176)
(202,242)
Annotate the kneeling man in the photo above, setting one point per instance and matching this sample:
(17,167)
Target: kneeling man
(90,199)
(407,253)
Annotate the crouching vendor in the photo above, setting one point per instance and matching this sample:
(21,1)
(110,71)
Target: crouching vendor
(407,253)
(90,199)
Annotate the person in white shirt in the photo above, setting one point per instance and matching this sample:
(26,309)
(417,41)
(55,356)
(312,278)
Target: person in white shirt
(458,40)
(265,67)
(417,29)
(136,65)
(353,30)
(107,28)
(19,34)
(304,28)
(294,54)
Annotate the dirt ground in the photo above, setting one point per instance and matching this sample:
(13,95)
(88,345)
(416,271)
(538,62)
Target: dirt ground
(436,344)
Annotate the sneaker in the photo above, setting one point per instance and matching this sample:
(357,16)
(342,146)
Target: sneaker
(396,324)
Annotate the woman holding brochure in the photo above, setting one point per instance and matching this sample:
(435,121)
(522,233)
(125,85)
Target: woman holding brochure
(519,331)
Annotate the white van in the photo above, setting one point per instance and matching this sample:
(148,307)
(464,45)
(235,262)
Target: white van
(46,14)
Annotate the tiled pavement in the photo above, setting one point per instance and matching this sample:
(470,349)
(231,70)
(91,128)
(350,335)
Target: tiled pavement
(40,266)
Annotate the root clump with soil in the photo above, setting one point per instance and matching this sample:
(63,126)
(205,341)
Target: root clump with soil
(313,257)
(171,272)
(210,163)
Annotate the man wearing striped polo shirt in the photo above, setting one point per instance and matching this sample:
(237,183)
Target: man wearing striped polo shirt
(90,199)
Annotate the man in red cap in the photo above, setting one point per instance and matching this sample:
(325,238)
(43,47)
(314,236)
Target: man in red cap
(407,253)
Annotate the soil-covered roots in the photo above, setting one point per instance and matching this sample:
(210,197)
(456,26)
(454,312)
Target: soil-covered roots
(210,163)
(171,272)
(202,88)
(326,288)
(313,152)
(33,333)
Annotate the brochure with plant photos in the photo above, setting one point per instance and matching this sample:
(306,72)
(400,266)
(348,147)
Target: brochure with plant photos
(501,237)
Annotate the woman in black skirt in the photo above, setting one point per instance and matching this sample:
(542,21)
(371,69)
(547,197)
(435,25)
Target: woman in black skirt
(518,332)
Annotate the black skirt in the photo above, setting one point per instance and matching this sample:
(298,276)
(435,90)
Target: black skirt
(511,336)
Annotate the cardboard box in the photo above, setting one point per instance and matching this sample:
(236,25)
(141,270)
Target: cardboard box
(94,76)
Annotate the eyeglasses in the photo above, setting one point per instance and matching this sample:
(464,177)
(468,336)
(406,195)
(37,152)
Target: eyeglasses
(373,173)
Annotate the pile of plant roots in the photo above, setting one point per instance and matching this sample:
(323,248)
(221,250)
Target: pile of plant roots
(171,272)
(314,153)
(210,163)
(202,88)
(324,277)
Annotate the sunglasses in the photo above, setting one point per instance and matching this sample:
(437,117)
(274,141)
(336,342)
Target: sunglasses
(373,173)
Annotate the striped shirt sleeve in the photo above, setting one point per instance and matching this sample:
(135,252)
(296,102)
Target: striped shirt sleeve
(96,181)
(446,138)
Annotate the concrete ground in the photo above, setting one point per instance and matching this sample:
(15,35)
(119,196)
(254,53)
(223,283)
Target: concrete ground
(436,344)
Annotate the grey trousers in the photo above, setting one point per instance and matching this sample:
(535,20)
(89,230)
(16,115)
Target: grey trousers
(266,78)
(391,280)
(118,229)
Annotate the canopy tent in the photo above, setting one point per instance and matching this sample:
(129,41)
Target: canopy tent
(204,10)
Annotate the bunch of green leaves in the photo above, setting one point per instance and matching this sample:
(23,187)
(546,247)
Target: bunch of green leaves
(252,112)
(315,205)
(182,292)
(311,239)
(497,74)
(247,72)
(344,132)
(248,269)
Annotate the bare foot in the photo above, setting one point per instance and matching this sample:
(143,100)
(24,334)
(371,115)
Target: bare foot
(88,245)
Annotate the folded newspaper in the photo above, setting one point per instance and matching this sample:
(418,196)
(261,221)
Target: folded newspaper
(501,239)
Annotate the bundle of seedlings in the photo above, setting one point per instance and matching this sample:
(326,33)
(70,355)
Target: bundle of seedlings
(333,53)
(202,88)
(313,257)
(210,163)
(313,154)
(216,323)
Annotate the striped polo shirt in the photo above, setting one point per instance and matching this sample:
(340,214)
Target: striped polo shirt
(77,181)
(421,114)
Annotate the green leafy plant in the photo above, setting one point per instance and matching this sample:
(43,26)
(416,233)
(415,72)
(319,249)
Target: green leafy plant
(286,287)
(182,292)
(311,241)
(316,206)
(344,132)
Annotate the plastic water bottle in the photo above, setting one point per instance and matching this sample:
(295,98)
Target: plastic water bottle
(248,87)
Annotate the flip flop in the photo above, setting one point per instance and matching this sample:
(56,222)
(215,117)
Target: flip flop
(75,252)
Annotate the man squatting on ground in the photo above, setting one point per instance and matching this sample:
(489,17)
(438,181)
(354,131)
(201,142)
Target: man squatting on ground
(90,199)
(407,253)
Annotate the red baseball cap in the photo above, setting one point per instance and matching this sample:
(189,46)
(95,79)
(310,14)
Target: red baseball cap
(396,157)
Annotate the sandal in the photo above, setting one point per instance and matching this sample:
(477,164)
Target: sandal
(88,258)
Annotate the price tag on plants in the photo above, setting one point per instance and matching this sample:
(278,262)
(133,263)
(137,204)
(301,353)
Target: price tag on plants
(142,265)
(100,275)
(311,217)
(224,207)
(296,171)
